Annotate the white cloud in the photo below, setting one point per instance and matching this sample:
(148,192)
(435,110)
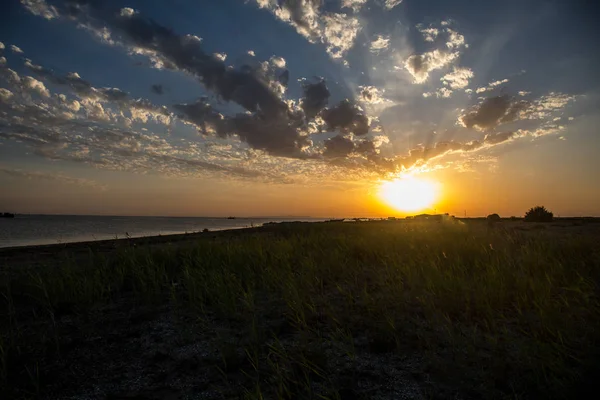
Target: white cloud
(420,65)
(355,5)
(493,85)
(127,12)
(339,33)
(498,83)
(35,86)
(2,47)
(2,61)
(372,95)
(336,30)
(444,93)
(523,93)
(40,8)
(278,62)
(429,34)
(5,94)
(455,40)
(220,56)
(251,53)
(16,49)
(389,4)
(458,78)
(381,43)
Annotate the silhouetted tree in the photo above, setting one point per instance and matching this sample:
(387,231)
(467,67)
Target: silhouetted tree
(493,218)
(538,214)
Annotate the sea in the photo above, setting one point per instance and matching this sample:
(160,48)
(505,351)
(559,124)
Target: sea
(29,230)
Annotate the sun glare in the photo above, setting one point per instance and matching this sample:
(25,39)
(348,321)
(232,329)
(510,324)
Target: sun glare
(408,194)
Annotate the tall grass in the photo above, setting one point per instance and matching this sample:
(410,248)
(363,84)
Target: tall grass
(514,310)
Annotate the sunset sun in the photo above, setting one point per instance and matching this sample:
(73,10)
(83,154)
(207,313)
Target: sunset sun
(408,194)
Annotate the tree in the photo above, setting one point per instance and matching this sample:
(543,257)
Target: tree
(538,214)
(493,218)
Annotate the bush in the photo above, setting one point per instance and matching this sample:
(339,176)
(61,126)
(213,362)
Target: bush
(538,214)
(493,218)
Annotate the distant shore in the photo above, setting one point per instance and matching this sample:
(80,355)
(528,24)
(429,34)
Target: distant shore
(48,254)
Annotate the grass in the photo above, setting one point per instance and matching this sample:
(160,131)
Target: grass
(478,311)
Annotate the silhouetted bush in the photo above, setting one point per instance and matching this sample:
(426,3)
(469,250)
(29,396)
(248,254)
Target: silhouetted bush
(493,218)
(538,214)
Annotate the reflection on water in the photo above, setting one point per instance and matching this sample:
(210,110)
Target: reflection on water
(26,230)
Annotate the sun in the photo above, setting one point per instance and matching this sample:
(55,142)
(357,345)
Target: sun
(409,193)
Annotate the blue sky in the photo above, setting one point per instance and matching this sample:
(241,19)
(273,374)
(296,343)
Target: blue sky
(104,96)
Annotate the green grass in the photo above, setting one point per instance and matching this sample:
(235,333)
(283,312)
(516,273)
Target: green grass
(489,312)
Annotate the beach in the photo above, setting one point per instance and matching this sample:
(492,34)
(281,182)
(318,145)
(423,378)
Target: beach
(380,309)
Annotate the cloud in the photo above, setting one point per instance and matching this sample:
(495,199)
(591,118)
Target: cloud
(60,178)
(339,33)
(381,43)
(91,98)
(220,56)
(354,5)
(371,95)
(316,97)
(40,8)
(127,12)
(157,88)
(338,146)
(389,4)
(2,46)
(494,111)
(35,86)
(458,78)
(429,34)
(346,118)
(492,86)
(420,65)
(271,124)
(2,61)
(548,105)
(336,31)
(444,93)
(16,49)
(455,39)
(5,95)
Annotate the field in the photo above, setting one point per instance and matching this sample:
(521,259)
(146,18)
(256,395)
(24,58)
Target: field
(361,310)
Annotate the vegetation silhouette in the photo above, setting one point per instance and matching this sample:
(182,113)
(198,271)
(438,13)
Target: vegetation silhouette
(538,214)
(493,218)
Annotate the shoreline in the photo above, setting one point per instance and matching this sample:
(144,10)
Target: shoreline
(132,238)
(33,256)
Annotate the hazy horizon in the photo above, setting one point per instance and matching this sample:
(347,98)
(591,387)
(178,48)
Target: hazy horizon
(328,109)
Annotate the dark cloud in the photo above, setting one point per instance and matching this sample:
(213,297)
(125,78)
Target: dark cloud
(338,146)
(365,147)
(494,111)
(347,118)
(278,136)
(270,124)
(203,116)
(316,97)
(157,88)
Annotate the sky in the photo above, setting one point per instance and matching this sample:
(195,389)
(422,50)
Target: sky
(298,107)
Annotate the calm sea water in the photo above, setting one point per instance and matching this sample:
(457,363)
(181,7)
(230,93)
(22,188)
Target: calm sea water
(26,230)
